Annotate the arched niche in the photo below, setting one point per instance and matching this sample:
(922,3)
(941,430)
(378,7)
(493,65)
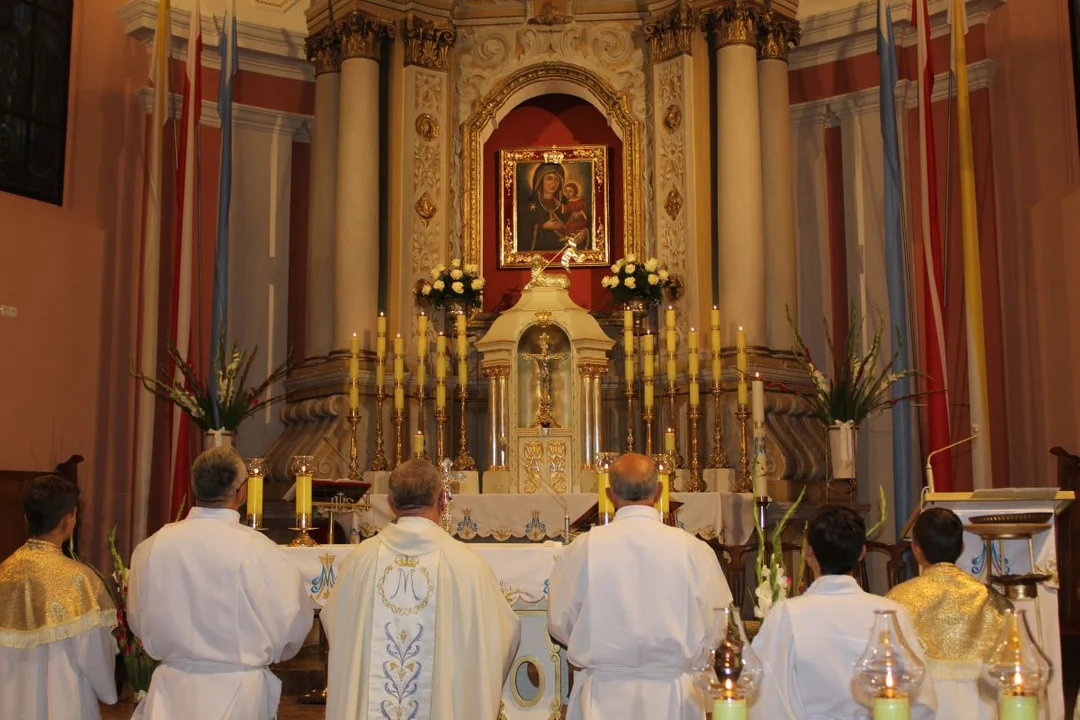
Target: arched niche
(525,84)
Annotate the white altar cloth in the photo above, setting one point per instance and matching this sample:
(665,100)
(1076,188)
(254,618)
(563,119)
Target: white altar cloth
(522,571)
(539,517)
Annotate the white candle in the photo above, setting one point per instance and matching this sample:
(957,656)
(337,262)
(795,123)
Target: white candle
(759,399)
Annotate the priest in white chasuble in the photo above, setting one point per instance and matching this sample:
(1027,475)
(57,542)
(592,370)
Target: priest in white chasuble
(216,602)
(417,625)
(57,652)
(636,602)
(958,619)
(809,644)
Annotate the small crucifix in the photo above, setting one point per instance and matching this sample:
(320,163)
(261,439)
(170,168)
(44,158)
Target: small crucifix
(544,360)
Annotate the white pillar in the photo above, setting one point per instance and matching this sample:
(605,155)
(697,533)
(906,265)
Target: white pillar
(739,190)
(356,230)
(324,50)
(781,274)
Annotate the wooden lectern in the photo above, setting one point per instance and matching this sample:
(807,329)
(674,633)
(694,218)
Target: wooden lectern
(1012,532)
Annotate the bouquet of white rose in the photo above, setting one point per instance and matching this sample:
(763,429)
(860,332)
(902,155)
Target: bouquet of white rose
(633,280)
(458,282)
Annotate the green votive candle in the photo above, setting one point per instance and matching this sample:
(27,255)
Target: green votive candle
(892,708)
(729,709)
(1018,707)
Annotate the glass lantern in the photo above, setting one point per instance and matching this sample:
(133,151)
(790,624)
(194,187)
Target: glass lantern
(1018,668)
(664,466)
(256,471)
(303,466)
(733,673)
(888,670)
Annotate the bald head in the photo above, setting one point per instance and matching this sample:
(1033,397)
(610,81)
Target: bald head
(633,480)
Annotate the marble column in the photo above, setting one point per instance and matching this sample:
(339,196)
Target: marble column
(324,50)
(498,415)
(740,209)
(356,227)
(776,34)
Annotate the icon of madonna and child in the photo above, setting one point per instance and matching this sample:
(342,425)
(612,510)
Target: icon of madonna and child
(554,202)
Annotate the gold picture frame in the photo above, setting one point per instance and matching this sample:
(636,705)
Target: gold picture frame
(549,195)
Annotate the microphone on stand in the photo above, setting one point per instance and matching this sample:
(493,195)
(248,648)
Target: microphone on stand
(930,470)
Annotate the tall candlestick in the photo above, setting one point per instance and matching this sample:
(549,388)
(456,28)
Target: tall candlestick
(714,344)
(694,484)
(418,444)
(378,460)
(742,480)
(421,372)
(399,397)
(440,357)
(649,397)
(695,394)
(354,345)
(694,360)
(669,317)
(462,337)
(630,368)
(399,358)
(740,365)
(440,395)
(464,460)
(462,373)
(380,372)
(628,320)
(669,442)
(759,399)
(628,342)
(255,498)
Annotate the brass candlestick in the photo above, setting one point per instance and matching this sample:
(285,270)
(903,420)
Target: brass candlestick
(648,415)
(464,460)
(743,482)
(421,396)
(302,468)
(379,462)
(719,456)
(399,428)
(677,460)
(695,484)
(354,465)
(440,422)
(630,417)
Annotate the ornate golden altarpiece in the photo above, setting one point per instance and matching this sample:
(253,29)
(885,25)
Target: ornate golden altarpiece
(544,360)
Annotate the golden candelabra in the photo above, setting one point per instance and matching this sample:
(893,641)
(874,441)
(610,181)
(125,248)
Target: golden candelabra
(464,461)
(677,460)
(695,484)
(379,462)
(719,456)
(648,416)
(743,482)
(399,428)
(354,464)
(630,417)
(421,396)
(440,423)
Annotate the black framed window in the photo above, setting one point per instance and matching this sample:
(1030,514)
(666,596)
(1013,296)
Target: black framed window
(35,58)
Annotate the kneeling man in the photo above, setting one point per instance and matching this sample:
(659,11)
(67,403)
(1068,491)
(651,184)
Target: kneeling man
(417,625)
(636,603)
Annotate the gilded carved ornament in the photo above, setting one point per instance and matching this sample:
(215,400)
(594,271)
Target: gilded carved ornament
(734,23)
(671,34)
(425,208)
(550,14)
(776,35)
(362,36)
(323,50)
(673,204)
(592,369)
(427,126)
(673,118)
(496,371)
(427,44)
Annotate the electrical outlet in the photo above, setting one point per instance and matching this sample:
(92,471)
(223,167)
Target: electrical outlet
(9,311)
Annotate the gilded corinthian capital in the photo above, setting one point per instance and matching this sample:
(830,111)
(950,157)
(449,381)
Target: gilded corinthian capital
(776,35)
(362,36)
(734,23)
(324,50)
(427,44)
(671,34)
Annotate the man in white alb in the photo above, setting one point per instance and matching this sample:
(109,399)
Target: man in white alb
(809,644)
(216,602)
(636,603)
(417,625)
(57,652)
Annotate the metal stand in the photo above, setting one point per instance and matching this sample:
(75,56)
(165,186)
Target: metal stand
(679,463)
(464,460)
(440,425)
(399,426)
(630,417)
(719,457)
(379,462)
(762,504)
(421,396)
(743,483)
(648,415)
(302,538)
(695,484)
(354,465)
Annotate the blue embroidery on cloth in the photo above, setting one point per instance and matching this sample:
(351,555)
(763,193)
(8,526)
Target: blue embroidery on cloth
(401,672)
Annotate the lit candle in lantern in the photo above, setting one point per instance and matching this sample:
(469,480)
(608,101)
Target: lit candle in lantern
(303,495)
(740,364)
(647,352)
(418,444)
(669,441)
(664,504)
(604,506)
(421,335)
(759,399)
(255,495)
(729,708)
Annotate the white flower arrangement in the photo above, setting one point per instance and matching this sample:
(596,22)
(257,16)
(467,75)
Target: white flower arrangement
(458,281)
(631,279)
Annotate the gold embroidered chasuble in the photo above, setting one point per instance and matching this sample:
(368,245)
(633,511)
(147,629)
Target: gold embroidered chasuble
(47,597)
(956,616)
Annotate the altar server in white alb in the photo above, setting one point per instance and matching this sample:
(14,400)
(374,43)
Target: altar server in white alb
(417,625)
(57,653)
(636,603)
(216,602)
(810,644)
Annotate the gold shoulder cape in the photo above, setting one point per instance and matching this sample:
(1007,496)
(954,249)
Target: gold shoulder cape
(956,616)
(46,597)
